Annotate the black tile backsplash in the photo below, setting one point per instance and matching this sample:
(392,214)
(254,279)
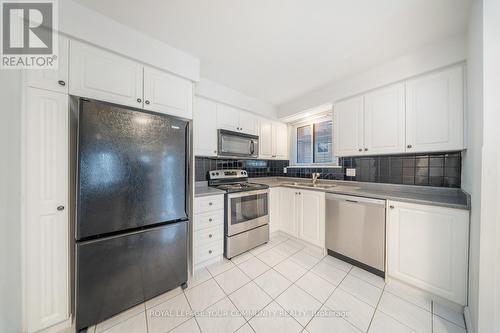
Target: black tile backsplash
(255,168)
(437,169)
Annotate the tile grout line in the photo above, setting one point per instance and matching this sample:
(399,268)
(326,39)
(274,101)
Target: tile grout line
(376,307)
(394,318)
(330,295)
(293,284)
(194,316)
(432,316)
(230,300)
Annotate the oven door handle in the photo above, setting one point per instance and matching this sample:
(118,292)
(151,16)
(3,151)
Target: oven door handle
(246,193)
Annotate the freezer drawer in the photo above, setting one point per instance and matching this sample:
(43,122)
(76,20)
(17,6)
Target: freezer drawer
(116,273)
(355,228)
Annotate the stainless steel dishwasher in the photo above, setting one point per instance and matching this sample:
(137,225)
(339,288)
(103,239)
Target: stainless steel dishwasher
(355,231)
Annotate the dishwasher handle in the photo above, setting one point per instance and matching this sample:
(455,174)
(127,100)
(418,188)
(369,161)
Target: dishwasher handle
(355,199)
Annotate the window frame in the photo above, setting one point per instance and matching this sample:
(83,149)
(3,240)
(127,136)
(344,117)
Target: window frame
(295,126)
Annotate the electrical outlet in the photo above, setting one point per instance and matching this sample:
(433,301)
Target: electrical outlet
(284,170)
(350,172)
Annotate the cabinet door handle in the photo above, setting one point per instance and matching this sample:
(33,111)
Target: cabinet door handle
(60,208)
(366,149)
(391,207)
(409,146)
(215,151)
(209,251)
(210,236)
(210,220)
(61,83)
(360,149)
(147,102)
(210,204)
(139,100)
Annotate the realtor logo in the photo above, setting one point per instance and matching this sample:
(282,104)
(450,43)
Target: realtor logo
(29,38)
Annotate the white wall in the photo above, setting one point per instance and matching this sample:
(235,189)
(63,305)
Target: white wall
(471,158)
(424,60)
(217,92)
(83,23)
(10,206)
(489,265)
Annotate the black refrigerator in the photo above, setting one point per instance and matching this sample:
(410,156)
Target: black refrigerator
(131,208)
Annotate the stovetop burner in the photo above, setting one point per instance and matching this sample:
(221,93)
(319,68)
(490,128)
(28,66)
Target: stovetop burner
(232,181)
(241,187)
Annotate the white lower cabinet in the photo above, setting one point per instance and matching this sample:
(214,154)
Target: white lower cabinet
(427,246)
(302,214)
(208,230)
(311,214)
(46,219)
(288,211)
(274,209)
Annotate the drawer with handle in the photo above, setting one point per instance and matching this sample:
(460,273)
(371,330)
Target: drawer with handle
(207,252)
(210,219)
(206,204)
(208,235)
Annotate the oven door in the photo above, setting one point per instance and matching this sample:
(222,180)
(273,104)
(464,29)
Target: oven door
(246,210)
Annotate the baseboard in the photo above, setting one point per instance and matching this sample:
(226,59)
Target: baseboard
(65,326)
(468,320)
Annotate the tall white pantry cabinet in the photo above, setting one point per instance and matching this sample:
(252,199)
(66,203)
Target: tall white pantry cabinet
(45,196)
(46,218)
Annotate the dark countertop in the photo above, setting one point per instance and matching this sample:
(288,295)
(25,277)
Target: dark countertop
(427,195)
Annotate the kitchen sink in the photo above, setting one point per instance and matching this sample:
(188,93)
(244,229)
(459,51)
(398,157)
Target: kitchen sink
(321,186)
(310,185)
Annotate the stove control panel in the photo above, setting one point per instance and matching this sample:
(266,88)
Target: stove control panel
(227,174)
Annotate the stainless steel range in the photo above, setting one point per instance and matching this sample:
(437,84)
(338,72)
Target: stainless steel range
(246,222)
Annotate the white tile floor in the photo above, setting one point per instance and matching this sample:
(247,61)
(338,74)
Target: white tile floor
(284,287)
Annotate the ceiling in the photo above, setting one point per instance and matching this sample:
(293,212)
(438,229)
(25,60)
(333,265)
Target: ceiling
(277,50)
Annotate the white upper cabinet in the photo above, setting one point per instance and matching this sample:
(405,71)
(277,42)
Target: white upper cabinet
(233,119)
(46,209)
(228,118)
(424,114)
(281,135)
(384,120)
(427,246)
(53,79)
(167,93)
(435,111)
(105,76)
(266,139)
(348,127)
(248,123)
(273,140)
(205,127)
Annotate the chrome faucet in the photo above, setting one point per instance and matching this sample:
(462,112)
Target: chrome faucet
(315,176)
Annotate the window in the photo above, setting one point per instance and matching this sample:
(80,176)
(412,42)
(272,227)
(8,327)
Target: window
(314,143)
(304,139)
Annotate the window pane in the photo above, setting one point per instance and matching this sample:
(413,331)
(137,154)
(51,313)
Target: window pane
(304,138)
(323,142)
